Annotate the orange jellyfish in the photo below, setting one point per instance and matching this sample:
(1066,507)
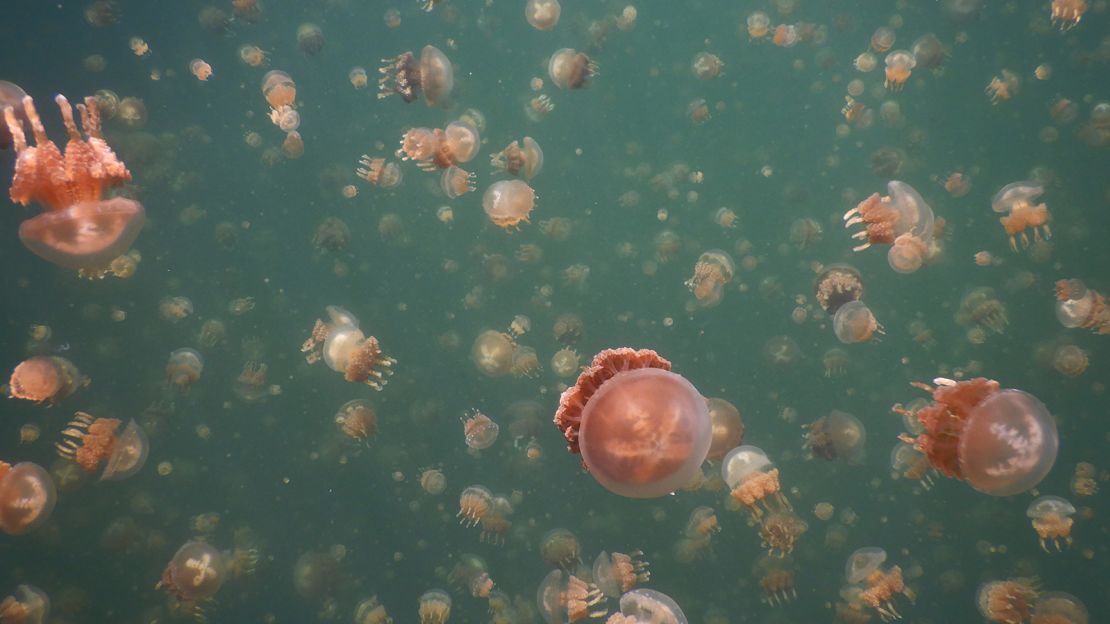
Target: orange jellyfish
(702,524)
(641,606)
(712,273)
(754,481)
(357,420)
(456,181)
(1059,608)
(184,367)
(758,25)
(404,76)
(873,586)
(854,322)
(508,203)
(901,219)
(1079,306)
(882,39)
(29,605)
(310,39)
(279,89)
(378,172)
(1067,13)
(776,579)
(45,378)
(839,436)
(346,349)
(542,14)
(496,523)
(570,69)
(617,573)
(1001,441)
(1052,520)
(470,573)
(1017,199)
(492,353)
(434,607)
(571,600)
(1008,602)
(285,118)
(899,66)
(981,308)
(910,463)
(90,441)
(836,285)
(200,69)
(727,428)
(27,497)
(474,503)
(517,160)
(195,573)
(479,430)
(779,532)
(560,548)
(643,431)
(79,229)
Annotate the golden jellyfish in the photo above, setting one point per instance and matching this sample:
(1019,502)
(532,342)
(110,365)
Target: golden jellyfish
(1084,482)
(1052,520)
(1068,13)
(854,322)
(899,66)
(702,524)
(569,600)
(356,420)
(1059,608)
(643,431)
(310,39)
(479,430)
(727,428)
(213,20)
(433,481)
(1001,441)
(45,379)
(293,145)
(901,219)
(781,351)
(560,548)
(11,95)
(805,233)
(101,13)
(929,52)
(907,462)
(474,503)
(981,308)
(542,14)
(371,611)
(565,362)
(872,585)
(865,62)
(776,580)
(725,217)
(508,203)
(79,229)
(1018,201)
(285,118)
(648,606)
(175,309)
(132,112)
(405,76)
(184,367)
(836,285)
(279,89)
(252,55)
(470,573)
(839,436)
(785,35)
(712,273)
(378,172)
(835,362)
(496,523)
(492,353)
(1003,86)
(456,181)
(200,69)
(571,69)
(957,184)
(754,481)
(758,24)
(617,573)
(1008,602)
(195,573)
(247,10)
(27,497)
(358,77)
(707,66)
(526,160)
(91,441)
(1080,306)
(1070,360)
(779,532)
(29,605)
(882,39)
(347,350)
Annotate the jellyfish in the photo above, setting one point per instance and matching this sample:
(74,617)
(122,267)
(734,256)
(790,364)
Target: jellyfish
(252,55)
(874,586)
(899,66)
(1001,441)
(250,385)
(184,367)
(1059,608)
(754,481)
(495,523)
(882,39)
(279,89)
(1008,602)
(1068,13)
(542,14)
(758,24)
(779,532)
(647,606)
(836,285)
(1070,360)
(479,430)
(712,272)
(310,39)
(727,428)
(1018,200)
(433,481)
(561,549)
(404,76)
(1080,306)
(568,600)
(1052,520)
(702,524)
(456,181)
(508,203)
(565,362)
(371,611)
(11,95)
(902,220)
(293,145)
(910,463)
(175,309)
(79,229)
(474,503)
(492,353)
(434,607)
(804,233)
(571,69)
(835,362)
(195,573)
(356,420)
(27,497)
(29,605)
(518,160)
(378,172)
(617,573)
(981,308)
(839,436)
(45,379)
(200,69)
(643,431)
(854,322)
(1003,87)
(346,349)
(776,579)
(90,441)
(286,118)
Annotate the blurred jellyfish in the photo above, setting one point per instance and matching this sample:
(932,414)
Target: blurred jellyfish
(90,441)
(854,322)
(839,436)
(27,497)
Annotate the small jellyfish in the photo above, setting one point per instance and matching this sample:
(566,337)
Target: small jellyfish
(754,481)
(1070,360)
(346,349)
(356,420)
(854,322)
(899,66)
(1003,87)
(902,220)
(835,362)
(776,579)
(29,605)
(836,285)
(526,362)
(371,611)
(286,118)
(479,430)
(175,309)
(782,351)
(561,549)
(779,532)
(508,203)
(643,431)
(929,52)
(1052,520)
(27,497)
(725,217)
(404,76)
(981,308)
(433,481)
(758,24)
(200,69)
(378,172)
(712,273)
(647,606)
(45,379)
(565,362)
(1018,200)
(310,39)
(250,385)
(492,353)
(293,145)
(707,66)
(90,441)
(1080,306)
(839,436)
(474,503)
(518,160)
(1068,13)
(456,181)
(252,55)
(542,14)
(617,573)
(805,233)
(727,428)
(195,573)
(496,523)
(1008,602)
(882,39)
(184,367)
(874,586)
(279,89)
(570,600)
(702,524)
(571,69)
(358,78)
(909,463)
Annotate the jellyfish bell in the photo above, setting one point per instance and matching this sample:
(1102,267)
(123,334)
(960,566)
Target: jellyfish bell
(862,563)
(728,428)
(492,353)
(649,606)
(341,342)
(742,461)
(85,236)
(196,572)
(1008,445)
(27,497)
(508,203)
(279,89)
(836,285)
(854,322)
(128,454)
(1015,194)
(570,69)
